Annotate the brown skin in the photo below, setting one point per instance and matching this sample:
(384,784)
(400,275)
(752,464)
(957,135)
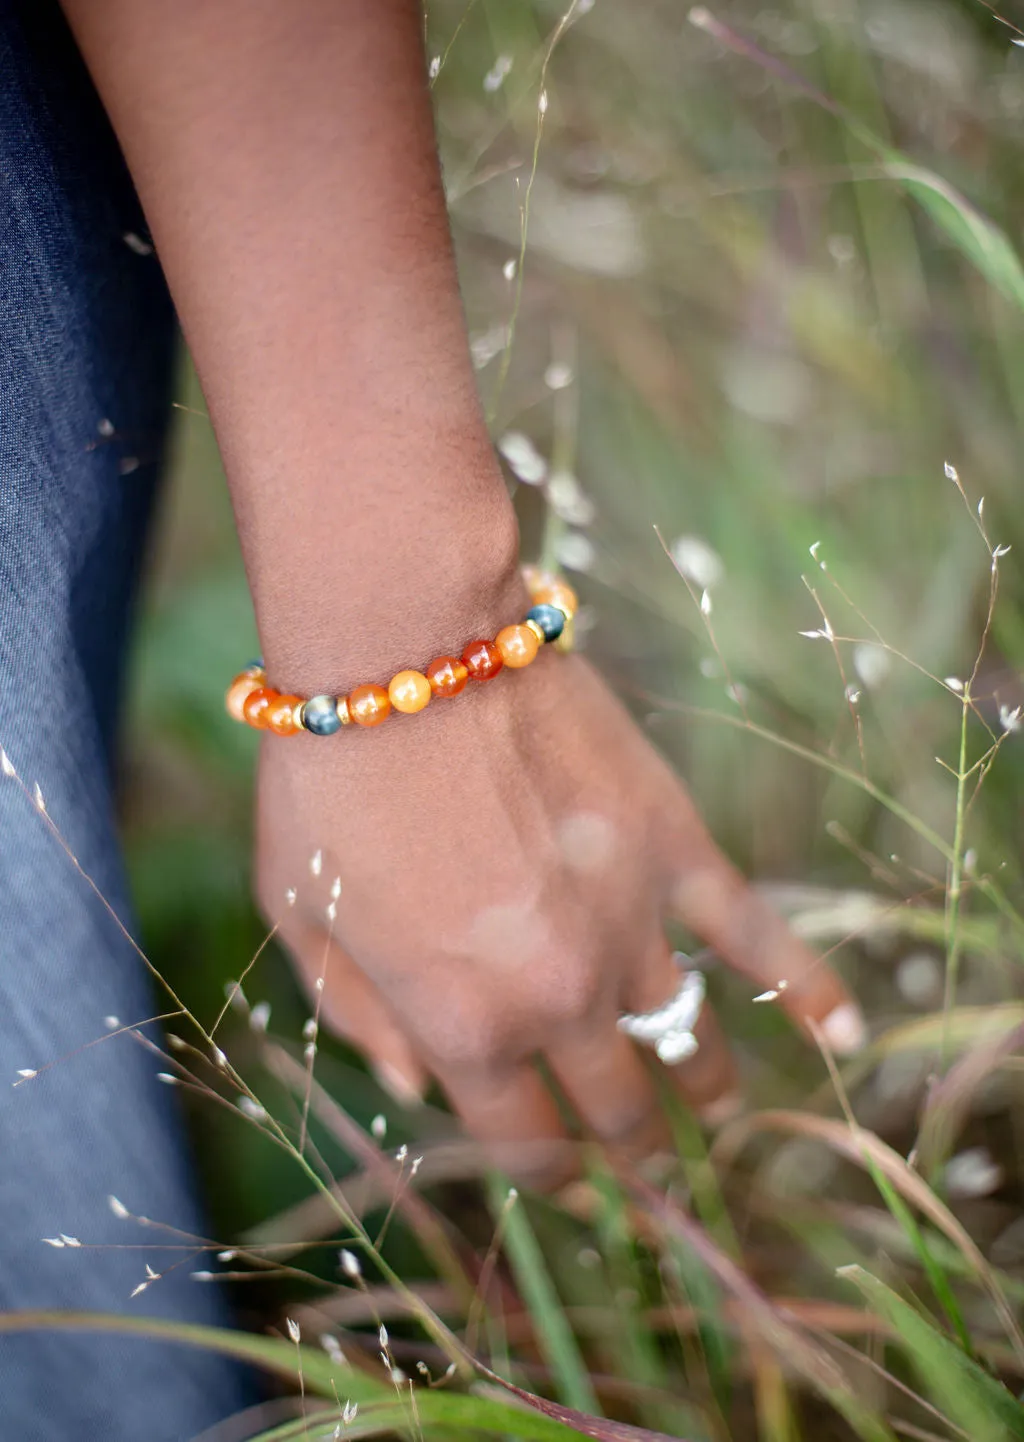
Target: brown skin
(508,858)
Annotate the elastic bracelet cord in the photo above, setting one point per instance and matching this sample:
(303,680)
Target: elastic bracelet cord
(249,699)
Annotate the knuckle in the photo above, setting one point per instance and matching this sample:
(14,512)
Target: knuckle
(569,992)
(469,1037)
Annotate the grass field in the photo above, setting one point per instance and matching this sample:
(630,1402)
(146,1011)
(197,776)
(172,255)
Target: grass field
(746,279)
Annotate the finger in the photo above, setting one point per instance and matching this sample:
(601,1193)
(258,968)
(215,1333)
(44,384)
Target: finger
(348,1003)
(713,900)
(708,1080)
(609,1086)
(513,1114)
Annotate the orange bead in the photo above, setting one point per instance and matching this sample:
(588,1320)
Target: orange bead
(256,706)
(239,692)
(482,660)
(518,645)
(409,691)
(281,715)
(447,676)
(369,705)
(556,593)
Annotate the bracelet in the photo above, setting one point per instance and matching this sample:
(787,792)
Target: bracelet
(251,700)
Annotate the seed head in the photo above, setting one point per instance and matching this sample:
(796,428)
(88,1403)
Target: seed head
(259,1017)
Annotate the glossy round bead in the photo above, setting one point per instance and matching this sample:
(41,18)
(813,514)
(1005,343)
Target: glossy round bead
(256,705)
(482,660)
(281,715)
(549,618)
(447,676)
(518,645)
(556,593)
(409,691)
(239,692)
(369,705)
(320,715)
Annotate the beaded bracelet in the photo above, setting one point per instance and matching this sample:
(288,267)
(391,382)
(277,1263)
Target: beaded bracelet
(549,618)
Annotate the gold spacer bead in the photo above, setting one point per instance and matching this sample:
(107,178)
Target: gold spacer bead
(534,626)
(298,712)
(564,642)
(344,714)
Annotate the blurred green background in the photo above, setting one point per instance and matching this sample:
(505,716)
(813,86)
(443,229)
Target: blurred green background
(736,324)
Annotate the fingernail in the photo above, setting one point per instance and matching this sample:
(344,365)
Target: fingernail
(402,1087)
(845,1029)
(723,1109)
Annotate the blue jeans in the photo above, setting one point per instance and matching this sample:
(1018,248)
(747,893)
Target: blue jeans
(86,339)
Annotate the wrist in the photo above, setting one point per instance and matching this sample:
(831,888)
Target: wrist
(414,592)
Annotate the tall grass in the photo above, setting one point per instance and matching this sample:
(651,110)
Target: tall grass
(750,280)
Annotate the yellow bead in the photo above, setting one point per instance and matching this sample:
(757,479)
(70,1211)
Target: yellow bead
(518,645)
(557,593)
(409,691)
(239,692)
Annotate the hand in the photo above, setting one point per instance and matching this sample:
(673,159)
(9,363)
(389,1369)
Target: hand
(508,859)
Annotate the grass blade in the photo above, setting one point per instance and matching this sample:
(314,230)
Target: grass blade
(980,1404)
(539,1421)
(977,238)
(858,1149)
(639,1355)
(554,1335)
(804,1356)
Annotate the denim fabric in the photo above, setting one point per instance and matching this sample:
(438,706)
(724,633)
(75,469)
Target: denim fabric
(86,335)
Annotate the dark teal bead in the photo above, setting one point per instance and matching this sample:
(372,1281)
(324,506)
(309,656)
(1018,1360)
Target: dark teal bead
(550,620)
(255,665)
(320,715)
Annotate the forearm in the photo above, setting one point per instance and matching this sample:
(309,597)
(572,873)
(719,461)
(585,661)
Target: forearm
(285,158)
